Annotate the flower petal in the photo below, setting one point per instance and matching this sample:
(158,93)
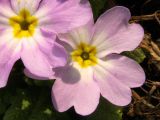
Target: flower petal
(34,60)
(10,53)
(31,5)
(39,55)
(63,15)
(88,103)
(115,76)
(113,33)
(5,13)
(29,74)
(5,70)
(78,35)
(128,71)
(55,53)
(74,90)
(84,97)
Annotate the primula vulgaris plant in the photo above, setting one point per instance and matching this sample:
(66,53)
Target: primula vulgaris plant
(95,67)
(28,30)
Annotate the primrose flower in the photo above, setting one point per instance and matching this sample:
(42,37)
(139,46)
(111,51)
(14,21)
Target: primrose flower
(95,66)
(27,31)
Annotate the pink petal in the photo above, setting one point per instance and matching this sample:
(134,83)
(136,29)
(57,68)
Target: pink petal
(74,90)
(55,53)
(57,3)
(78,35)
(115,76)
(87,98)
(128,71)
(35,60)
(63,15)
(84,97)
(5,4)
(113,34)
(5,70)
(39,55)
(115,92)
(29,74)
(10,53)
(5,13)
(58,57)
(31,5)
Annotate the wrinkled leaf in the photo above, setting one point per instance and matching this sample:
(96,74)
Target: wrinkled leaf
(138,55)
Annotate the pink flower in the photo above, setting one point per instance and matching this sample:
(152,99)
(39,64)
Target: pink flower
(27,30)
(95,66)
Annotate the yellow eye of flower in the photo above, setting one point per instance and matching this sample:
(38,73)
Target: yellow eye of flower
(23,24)
(85,55)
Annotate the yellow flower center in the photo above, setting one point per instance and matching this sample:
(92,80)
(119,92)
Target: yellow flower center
(23,24)
(85,55)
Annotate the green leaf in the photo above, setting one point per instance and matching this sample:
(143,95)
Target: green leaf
(97,7)
(14,111)
(5,100)
(25,104)
(33,103)
(40,83)
(138,55)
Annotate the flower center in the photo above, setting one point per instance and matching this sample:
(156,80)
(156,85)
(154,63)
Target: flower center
(23,24)
(85,55)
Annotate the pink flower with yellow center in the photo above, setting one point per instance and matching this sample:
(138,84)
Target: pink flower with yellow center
(28,31)
(95,66)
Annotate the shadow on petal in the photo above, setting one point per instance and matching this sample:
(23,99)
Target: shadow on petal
(115,57)
(68,74)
